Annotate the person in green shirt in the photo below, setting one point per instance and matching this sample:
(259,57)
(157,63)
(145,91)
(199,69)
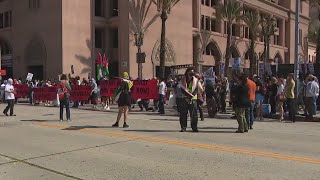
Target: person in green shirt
(289,93)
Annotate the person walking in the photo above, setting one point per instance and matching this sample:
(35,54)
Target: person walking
(64,89)
(210,98)
(162,95)
(94,93)
(289,93)
(9,94)
(122,96)
(191,87)
(241,102)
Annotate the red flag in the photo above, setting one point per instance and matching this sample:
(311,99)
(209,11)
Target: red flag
(99,60)
(105,61)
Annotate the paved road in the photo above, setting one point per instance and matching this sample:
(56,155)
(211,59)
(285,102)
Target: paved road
(34,145)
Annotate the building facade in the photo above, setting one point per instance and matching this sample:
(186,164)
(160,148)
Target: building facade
(47,37)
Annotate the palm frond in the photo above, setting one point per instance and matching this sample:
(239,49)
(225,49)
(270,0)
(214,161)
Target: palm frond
(230,11)
(253,20)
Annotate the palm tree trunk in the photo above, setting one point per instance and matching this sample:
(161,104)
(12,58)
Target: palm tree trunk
(164,17)
(318,47)
(252,58)
(228,50)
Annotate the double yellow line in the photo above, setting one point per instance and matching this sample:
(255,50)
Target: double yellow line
(187,144)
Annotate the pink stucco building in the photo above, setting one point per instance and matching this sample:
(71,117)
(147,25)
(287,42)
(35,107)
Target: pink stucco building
(48,37)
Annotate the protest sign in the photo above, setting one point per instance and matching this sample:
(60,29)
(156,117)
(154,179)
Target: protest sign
(145,89)
(45,94)
(236,64)
(80,93)
(29,77)
(210,75)
(222,66)
(22,90)
(268,69)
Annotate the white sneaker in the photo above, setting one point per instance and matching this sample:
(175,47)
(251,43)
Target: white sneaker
(108,108)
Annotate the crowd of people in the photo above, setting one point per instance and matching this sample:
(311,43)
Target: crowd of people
(249,97)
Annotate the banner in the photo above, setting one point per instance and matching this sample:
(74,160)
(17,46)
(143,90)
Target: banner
(108,87)
(268,69)
(22,90)
(222,65)
(210,75)
(80,93)
(45,94)
(29,77)
(145,89)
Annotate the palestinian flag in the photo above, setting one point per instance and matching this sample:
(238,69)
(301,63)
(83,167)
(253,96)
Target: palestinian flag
(106,66)
(99,67)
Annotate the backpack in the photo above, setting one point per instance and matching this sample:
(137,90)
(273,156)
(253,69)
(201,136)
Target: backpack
(62,91)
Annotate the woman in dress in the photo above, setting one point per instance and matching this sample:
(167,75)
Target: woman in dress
(280,98)
(122,96)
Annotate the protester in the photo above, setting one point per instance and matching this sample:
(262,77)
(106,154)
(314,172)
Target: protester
(162,95)
(200,99)
(190,86)
(94,93)
(273,94)
(241,102)
(280,98)
(252,88)
(223,90)
(122,96)
(289,92)
(312,93)
(64,89)
(259,97)
(2,91)
(9,97)
(76,83)
(210,99)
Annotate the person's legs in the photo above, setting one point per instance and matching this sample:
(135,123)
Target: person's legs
(67,104)
(245,125)
(161,104)
(247,114)
(121,110)
(199,107)
(61,110)
(290,104)
(281,111)
(125,116)
(11,107)
(183,116)
(194,116)
(239,119)
(315,105)
(140,104)
(223,102)
(251,115)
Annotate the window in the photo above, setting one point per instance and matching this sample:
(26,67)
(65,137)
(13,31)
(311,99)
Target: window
(202,2)
(213,3)
(114,7)
(98,5)
(5,19)
(276,40)
(207,23)
(34,4)
(207,2)
(300,36)
(213,25)
(202,21)
(246,32)
(99,38)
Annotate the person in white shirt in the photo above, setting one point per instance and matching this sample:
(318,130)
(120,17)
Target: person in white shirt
(9,97)
(162,95)
(311,94)
(280,98)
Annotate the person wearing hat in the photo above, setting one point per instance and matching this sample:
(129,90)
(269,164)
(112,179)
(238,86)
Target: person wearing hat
(312,92)
(9,94)
(122,97)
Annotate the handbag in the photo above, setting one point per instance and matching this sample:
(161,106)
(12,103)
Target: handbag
(116,98)
(62,92)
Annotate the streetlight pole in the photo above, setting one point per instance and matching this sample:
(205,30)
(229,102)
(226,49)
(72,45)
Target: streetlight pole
(139,42)
(296,53)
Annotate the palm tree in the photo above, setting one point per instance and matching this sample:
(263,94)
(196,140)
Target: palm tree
(314,31)
(138,12)
(268,28)
(252,20)
(164,7)
(229,12)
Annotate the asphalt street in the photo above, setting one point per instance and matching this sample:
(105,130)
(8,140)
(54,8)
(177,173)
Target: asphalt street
(35,145)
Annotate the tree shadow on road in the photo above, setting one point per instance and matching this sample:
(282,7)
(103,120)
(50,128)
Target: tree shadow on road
(149,130)
(37,120)
(217,128)
(76,128)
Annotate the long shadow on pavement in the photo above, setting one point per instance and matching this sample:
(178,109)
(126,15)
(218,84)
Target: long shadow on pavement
(37,120)
(75,128)
(146,130)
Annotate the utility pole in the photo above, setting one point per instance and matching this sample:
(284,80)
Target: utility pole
(296,53)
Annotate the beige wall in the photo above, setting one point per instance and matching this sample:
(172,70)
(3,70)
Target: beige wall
(43,24)
(76,35)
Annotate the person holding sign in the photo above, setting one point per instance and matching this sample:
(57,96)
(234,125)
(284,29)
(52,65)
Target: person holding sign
(191,87)
(122,96)
(9,93)
(64,89)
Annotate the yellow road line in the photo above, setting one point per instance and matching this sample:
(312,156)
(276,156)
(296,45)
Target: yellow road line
(187,144)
